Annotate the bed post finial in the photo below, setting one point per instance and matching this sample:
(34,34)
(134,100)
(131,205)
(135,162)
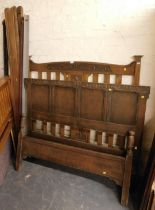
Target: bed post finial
(137,59)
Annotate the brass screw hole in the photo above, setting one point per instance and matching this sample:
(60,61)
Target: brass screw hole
(104,172)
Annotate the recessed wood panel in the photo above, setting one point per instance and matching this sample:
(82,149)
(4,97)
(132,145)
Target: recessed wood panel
(40,98)
(123,107)
(64,100)
(91,106)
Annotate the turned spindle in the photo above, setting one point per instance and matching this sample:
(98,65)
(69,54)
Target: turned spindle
(131,139)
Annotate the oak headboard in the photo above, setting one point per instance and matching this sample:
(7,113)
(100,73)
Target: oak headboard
(87,71)
(89,102)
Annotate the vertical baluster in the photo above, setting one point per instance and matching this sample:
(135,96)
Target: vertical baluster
(87,135)
(85,77)
(49,75)
(39,75)
(131,139)
(33,125)
(57,75)
(62,130)
(53,129)
(80,134)
(99,137)
(95,78)
(84,135)
(110,140)
(118,79)
(125,142)
(121,141)
(67,77)
(106,78)
(44,127)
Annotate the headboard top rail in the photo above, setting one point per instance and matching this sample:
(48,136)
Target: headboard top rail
(81,70)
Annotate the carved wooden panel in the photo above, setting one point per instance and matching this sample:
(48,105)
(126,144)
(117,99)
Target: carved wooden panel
(64,100)
(123,107)
(85,106)
(92,102)
(40,98)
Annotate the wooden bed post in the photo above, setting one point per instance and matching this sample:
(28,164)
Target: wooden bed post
(127,171)
(137,69)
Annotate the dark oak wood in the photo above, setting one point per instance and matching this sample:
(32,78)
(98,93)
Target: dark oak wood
(126,179)
(104,121)
(123,110)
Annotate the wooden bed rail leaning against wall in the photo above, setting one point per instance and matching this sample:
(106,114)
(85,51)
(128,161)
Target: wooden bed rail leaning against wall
(6,113)
(65,107)
(14,32)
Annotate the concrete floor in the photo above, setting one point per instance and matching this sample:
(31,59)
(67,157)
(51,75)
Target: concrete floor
(37,187)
